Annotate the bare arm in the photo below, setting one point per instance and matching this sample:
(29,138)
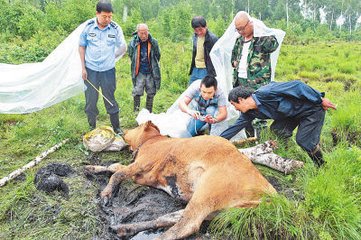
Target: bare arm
(222,114)
(183,105)
(82,60)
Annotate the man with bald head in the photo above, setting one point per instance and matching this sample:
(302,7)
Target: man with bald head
(251,55)
(144,54)
(251,59)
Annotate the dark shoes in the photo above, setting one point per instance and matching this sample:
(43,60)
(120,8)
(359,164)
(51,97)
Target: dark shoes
(118,132)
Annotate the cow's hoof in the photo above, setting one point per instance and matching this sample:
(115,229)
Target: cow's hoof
(123,230)
(89,169)
(106,201)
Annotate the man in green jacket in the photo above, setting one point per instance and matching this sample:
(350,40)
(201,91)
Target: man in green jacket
(251,60)
(144,54)
(251,55)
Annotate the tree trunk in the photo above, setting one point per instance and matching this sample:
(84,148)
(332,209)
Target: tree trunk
(263,154)
(125,13)
(287,16)
(331,21)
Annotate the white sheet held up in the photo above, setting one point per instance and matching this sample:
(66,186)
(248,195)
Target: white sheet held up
(30,87)
(174,121)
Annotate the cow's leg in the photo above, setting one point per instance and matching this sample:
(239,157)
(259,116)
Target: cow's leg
(122,173)
(127,230)
(190,222)
(208,197)
(96,169)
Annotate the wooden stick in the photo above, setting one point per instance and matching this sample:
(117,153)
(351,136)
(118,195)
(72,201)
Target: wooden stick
(31,164)
(101,94)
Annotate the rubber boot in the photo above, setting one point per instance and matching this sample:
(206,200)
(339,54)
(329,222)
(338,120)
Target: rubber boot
(317,157)
(136,103)
(249,131)
(149,103)
(114,119)
(92,120)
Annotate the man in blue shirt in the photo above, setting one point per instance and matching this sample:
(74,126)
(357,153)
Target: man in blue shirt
(209,107)
(290,104)
(101,42)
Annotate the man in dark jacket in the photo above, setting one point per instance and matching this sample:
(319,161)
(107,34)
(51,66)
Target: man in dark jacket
(144,54)
(290,104)
(203,41)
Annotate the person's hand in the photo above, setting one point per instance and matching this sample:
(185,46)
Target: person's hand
(326,104)
(84,74)
(209,119)
(193,113)
(235,64)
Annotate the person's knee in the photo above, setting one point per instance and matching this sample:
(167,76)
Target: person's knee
(305,145)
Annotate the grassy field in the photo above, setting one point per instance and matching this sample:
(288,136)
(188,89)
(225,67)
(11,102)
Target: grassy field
(324,204)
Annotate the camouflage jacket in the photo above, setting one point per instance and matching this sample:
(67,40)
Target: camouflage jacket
(259,63)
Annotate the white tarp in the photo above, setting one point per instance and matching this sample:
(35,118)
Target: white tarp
(174,121)
(30,87)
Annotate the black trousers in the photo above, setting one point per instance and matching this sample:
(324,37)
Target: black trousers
(309,125)
(105,81)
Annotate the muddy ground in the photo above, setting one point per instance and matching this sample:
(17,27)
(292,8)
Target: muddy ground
(131,203)
(135,203)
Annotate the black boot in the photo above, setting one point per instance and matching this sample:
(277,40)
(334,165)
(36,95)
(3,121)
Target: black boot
(249,131)
(92,120)
(317,157)
(149,103)
(136,103)
(114,119)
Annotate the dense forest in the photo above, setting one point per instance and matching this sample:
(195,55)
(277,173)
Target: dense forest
(39,25)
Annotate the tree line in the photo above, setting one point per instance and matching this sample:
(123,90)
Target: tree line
(40,25)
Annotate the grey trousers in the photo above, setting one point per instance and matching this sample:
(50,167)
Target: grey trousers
(144,81)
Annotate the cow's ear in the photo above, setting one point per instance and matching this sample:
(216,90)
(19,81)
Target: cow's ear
(149,125)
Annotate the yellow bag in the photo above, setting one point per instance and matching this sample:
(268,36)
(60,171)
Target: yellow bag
(99,139)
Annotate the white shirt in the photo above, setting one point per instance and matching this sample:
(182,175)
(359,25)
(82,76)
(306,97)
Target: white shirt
(243,64)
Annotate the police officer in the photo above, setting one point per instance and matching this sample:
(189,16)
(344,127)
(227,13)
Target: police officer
(101,42)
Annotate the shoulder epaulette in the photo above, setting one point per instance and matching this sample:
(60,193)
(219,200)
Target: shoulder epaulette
(114,25)
(90,22)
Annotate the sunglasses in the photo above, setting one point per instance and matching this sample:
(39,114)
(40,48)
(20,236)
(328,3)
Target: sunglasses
(241,29)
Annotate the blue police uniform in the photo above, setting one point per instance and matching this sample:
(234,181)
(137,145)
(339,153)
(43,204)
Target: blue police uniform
(100,48)
(291,104)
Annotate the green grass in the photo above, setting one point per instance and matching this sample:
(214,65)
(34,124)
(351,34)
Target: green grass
(315,204)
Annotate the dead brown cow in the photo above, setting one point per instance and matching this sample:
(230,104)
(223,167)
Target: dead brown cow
(206,171)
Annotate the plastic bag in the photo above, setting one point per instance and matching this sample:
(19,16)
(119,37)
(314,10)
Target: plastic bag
(103,139)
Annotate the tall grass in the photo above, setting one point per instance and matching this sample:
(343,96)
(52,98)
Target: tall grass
(313,204)
(275,218)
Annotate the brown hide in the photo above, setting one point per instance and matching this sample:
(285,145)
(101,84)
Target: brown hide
(207,171)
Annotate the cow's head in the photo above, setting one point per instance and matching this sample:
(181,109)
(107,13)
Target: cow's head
(140,134)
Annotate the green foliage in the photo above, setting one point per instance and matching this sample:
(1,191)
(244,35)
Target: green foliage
(176,22)
(274,218)
(346,120)
(333,195)
(324,204)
